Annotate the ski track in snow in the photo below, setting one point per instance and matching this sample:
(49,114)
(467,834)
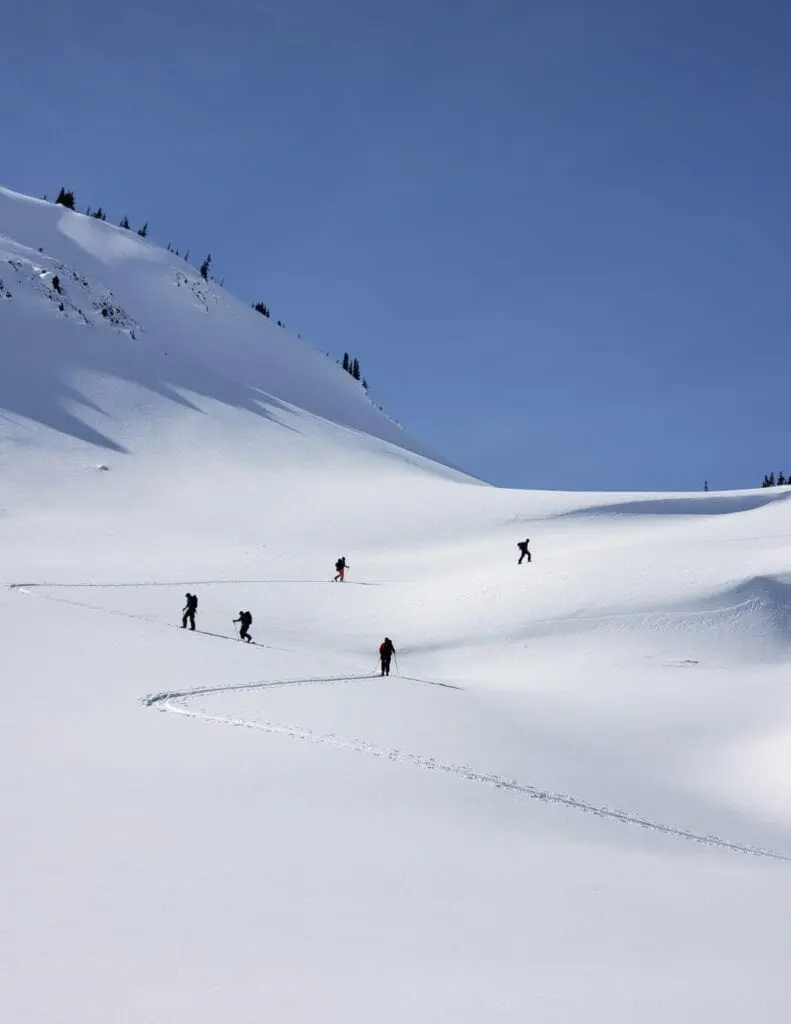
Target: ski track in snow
(185,583)
(177,702)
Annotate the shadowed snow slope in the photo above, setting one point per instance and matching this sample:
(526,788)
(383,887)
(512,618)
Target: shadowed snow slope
(570,800)
(688,505)
(125,310)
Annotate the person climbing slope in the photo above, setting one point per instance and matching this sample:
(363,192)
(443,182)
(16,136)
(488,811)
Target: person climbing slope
(340,568)
(189,610)
(245,621)
(522,545)
(386,652)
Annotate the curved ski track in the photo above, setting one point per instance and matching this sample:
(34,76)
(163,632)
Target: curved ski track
(176,702)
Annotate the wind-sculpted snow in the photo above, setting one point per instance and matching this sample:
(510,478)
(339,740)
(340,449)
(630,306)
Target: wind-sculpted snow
(751,619)
(701,505)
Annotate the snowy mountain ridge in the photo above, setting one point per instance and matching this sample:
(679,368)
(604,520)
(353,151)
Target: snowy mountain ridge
(106,299)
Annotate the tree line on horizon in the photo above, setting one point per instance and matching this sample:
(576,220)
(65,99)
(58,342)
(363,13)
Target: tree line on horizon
(66,198)
(781,480)
(352,367)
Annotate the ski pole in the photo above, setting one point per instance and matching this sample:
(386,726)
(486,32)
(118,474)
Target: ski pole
(395,659)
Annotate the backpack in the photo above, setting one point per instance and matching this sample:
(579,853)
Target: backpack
(340,564)
(195,601)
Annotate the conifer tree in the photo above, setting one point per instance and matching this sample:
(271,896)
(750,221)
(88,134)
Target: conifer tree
(124,223)
(99,214)
(143,231)
(345,363)
(261,308)
(65,198)
(356,369)
(204,268)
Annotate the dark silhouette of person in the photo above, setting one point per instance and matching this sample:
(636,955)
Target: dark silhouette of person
(522,545)
(189,610)
(386,652)
(245,621)
(340,568)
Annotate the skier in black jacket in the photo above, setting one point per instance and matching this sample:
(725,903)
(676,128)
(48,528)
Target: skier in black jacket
(386,652)
(189,610)
(340,567)
(245,621)
(522,545)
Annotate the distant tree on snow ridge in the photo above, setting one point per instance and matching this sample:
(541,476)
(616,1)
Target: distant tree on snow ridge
(352,367)
(65,198)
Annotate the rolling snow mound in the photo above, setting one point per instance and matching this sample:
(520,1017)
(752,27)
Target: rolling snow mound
(686,505)
(744,622)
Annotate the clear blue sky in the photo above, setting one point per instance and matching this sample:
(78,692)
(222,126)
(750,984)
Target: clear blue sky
(556,234)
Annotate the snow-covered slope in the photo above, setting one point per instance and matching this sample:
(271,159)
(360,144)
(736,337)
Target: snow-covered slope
(85,302)
(569,802)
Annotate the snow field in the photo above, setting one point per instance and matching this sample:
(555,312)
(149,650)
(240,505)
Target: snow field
(296,838)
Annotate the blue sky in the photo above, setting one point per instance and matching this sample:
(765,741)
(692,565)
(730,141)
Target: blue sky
(555,234)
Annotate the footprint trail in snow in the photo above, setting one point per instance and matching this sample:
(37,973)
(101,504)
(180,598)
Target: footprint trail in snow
(179,702)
